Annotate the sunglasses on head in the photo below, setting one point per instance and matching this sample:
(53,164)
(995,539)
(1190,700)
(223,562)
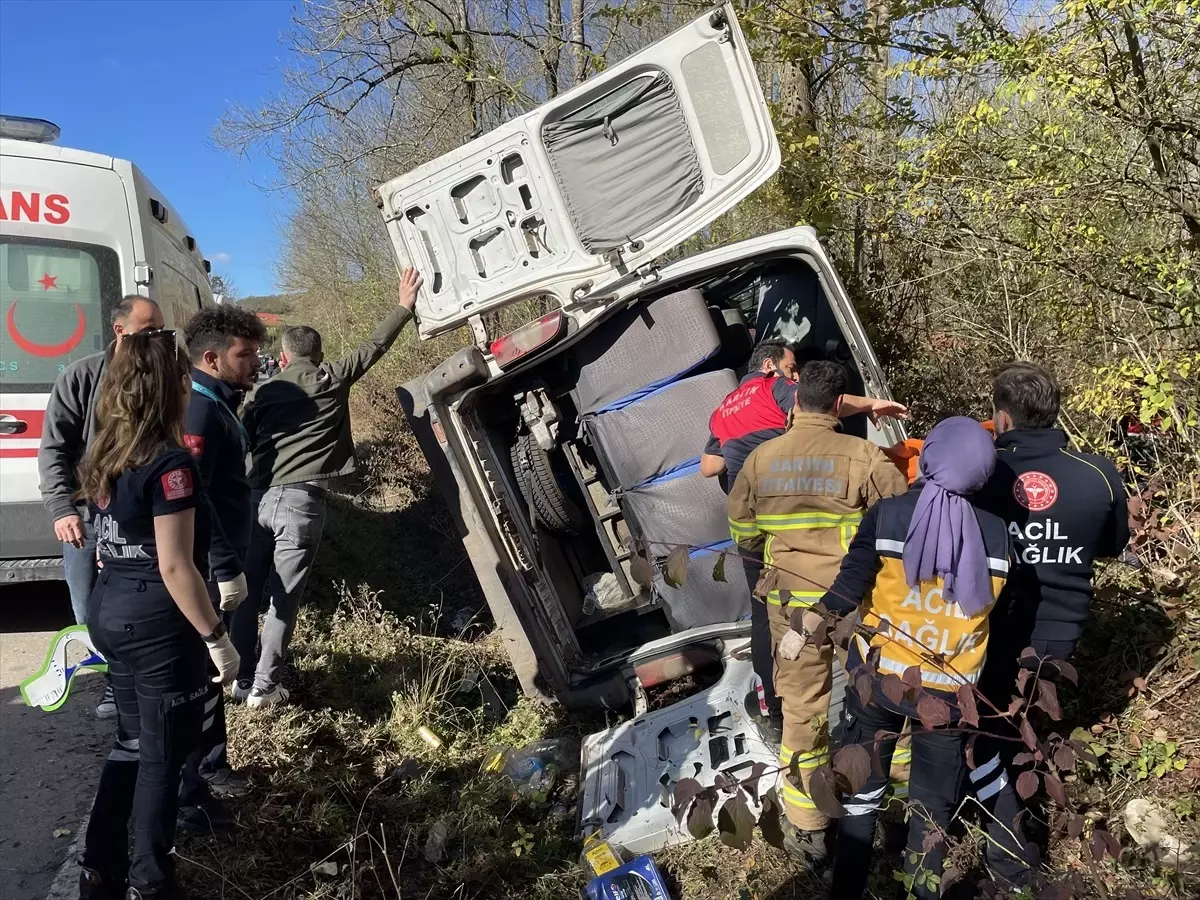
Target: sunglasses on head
(153,333)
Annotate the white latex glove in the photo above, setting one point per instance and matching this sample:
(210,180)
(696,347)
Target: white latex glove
(791,645)
(232,593)
(225,658)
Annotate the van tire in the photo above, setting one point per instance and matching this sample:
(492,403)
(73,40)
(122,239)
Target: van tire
(542,489)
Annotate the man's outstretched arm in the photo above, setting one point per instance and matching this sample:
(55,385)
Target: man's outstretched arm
(852,405)
(359,361)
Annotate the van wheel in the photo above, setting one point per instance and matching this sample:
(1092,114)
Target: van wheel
(543,487)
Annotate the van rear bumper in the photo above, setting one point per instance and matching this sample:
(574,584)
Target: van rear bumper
(29,551)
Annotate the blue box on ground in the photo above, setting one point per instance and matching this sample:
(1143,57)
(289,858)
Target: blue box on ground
(638,879)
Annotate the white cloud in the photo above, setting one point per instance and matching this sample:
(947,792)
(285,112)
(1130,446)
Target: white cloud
(222,259)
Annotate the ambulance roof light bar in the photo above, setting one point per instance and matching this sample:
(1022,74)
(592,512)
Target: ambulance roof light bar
(23,128)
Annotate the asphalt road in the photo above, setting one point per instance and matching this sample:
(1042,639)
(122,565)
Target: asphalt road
(49,762)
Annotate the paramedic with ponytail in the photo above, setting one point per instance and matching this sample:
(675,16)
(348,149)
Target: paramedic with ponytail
(925,569)
(149,614)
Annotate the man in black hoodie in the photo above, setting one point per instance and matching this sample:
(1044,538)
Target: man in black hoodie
(223,345)
(1064,511)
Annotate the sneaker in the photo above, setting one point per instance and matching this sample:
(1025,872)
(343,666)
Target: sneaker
(261,698)
(241,689)
(210,816)
(107,707)
(226,783)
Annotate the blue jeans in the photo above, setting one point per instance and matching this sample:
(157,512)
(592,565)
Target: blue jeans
(79,569)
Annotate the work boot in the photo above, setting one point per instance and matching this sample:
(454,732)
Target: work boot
(770,727)
(94,886)
(164,893)
(807,846)
(226,783)
(207,817)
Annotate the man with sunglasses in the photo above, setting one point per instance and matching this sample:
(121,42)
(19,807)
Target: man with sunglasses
(69,425)
(223,343)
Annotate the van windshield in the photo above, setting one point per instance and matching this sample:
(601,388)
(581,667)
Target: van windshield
(55,299)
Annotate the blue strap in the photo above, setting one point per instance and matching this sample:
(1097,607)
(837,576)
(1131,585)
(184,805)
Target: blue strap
(201,389)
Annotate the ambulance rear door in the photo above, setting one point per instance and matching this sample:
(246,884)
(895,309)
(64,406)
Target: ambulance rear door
(66,258)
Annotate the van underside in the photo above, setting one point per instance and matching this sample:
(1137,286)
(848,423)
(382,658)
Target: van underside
(591,450)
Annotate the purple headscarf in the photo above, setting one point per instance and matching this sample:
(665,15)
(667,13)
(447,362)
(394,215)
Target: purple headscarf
(944,537)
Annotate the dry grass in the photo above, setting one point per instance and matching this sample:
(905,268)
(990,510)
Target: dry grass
(393,623)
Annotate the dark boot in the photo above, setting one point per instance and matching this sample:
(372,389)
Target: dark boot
(808,847)
(207,817)
(95,886)
(163,893)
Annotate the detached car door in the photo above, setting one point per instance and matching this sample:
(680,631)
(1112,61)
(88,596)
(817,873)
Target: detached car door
(591,186)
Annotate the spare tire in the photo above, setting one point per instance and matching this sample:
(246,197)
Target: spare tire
(547,489)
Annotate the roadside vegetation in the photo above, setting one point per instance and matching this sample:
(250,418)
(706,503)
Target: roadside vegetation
(995,180)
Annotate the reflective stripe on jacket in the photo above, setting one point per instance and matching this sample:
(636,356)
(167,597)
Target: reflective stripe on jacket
(919,618)
(799,499)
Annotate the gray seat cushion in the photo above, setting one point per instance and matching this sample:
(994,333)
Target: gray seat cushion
(682,507)
(702,600)
(661,431)
(642,349)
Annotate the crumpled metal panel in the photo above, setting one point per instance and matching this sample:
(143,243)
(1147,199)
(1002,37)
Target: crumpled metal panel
(629,771)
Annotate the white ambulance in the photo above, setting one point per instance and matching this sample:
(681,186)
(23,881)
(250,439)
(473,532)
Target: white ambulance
(78,231)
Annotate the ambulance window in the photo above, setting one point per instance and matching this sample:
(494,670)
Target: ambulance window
(56,298)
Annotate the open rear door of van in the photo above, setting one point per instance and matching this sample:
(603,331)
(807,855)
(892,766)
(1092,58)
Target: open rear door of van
(591,186)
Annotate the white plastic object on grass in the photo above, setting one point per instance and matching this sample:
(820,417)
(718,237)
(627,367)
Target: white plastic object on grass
(50,686)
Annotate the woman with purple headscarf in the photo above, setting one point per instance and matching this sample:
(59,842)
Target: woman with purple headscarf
(924,570)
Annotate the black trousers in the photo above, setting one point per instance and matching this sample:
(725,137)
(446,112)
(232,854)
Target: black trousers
(762,654)
(1010,855)
(936,785)
(157,665)
(211,753)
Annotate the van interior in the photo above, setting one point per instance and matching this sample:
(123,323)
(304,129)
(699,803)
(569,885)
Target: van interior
(633,397)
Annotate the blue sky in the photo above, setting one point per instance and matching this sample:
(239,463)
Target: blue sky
(147,81)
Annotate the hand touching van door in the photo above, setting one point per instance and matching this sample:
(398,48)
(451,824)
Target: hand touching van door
(410,285)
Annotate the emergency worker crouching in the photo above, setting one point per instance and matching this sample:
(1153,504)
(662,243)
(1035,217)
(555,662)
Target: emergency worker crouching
(797,503)
(149,614)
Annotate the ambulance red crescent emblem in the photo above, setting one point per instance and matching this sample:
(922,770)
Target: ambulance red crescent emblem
(1036,491)
(47,351)
(177,484)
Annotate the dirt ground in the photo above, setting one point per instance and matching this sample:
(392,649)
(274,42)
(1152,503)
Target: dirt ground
(49,762)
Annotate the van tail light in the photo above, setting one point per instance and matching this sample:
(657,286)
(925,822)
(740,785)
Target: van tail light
(529,337)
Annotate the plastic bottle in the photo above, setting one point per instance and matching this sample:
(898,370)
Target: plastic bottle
(536,768)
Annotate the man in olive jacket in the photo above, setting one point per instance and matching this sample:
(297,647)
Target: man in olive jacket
(298,425)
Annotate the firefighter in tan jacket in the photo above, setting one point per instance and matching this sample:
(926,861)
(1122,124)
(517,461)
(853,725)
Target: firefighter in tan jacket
(798,500)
